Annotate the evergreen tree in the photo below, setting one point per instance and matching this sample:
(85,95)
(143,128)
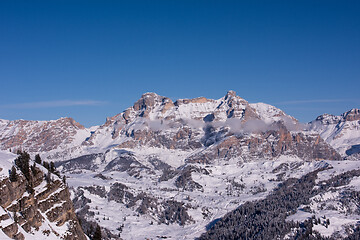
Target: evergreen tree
(90,230)
(52,167)
(29,188)
(15,218)
(48,177)
(97,233)
(33,169)
(46,165)
(37,159)
(327,221)
(13,175)
(22,161)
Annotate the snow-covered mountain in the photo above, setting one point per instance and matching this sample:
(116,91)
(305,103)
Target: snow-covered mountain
(341,132)
(41,136)
(191,124)
(164,169)
(186,124)
(226,127)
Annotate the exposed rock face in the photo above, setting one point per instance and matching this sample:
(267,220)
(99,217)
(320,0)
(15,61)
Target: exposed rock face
(86,162)
(184,180)
(352,115)
(39,136)
(182,138)
(341,132)
(33,204)
(149,101)
(267,145)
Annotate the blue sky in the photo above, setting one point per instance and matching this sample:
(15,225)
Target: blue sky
(93,59)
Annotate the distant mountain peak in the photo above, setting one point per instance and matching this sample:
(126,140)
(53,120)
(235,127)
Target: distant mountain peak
(342,132)
(229,94)
(149,101)
(352,115)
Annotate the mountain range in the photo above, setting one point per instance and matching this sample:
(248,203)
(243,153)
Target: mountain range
(190,168)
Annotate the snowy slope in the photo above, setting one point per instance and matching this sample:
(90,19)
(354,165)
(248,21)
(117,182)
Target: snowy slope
(128,192)
(206,194)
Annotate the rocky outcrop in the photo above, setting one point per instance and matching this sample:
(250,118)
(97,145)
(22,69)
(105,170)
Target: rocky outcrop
(352,115)
(267,145)
(85,162)
(182,138)
(28,201)
(184,180)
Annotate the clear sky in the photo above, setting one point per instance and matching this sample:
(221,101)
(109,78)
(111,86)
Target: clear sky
(93,59)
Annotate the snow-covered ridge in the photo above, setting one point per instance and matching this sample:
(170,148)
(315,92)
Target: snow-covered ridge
(342,132)
(41,136)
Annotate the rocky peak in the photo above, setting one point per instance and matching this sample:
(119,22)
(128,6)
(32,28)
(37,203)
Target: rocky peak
(150,101)
(352,115)
(232,98)
(71,121)
(327,119)
(230,94)
(237,107)
(147,101)
(153,106)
